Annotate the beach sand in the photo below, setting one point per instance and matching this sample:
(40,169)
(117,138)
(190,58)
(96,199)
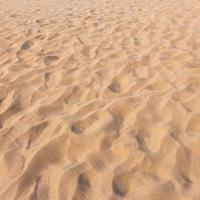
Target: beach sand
(100,100)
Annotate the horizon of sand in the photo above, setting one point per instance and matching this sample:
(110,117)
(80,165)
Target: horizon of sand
(99,100)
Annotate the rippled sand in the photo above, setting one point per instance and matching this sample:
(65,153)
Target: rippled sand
(99,100)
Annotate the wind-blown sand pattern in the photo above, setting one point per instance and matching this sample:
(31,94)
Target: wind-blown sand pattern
(100,100)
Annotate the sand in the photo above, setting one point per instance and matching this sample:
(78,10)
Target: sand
(100,100)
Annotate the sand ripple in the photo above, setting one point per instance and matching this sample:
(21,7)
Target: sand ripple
(100,100)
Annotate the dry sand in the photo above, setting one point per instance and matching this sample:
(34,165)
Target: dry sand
(99,100)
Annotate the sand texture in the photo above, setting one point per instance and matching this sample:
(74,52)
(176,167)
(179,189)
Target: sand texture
(99,100)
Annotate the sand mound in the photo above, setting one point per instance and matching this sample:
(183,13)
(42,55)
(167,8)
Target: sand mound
(99,100)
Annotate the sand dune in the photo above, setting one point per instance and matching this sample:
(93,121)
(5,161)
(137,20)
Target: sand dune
(99,100)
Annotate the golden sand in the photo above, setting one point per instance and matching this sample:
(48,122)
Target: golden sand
(100,100)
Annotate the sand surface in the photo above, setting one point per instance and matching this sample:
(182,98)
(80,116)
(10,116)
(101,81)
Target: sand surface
(100,100)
